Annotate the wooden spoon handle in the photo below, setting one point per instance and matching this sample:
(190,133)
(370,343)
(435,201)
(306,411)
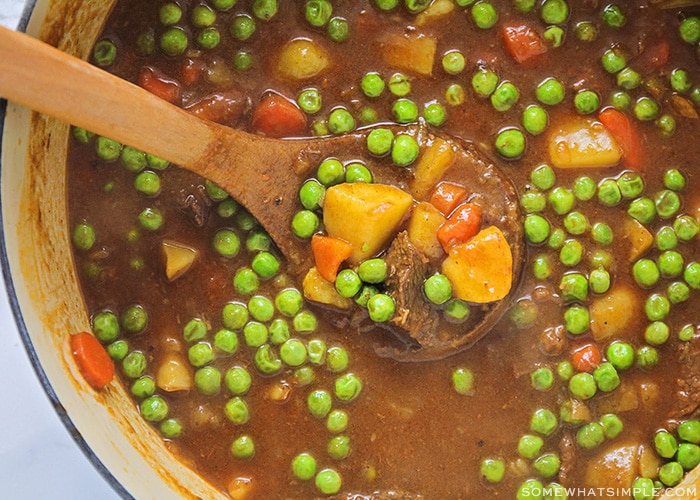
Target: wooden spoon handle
(45,79)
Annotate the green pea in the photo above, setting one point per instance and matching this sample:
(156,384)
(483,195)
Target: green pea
(264,9)
(530,446)
(304,466)
(170,13)
(576,223)
(601,233)
(105,326)
(631,185)
(304,322)
(404,150)
(574,287)
(305,223)
(576,319)
(338,29)
(226,243)
(484,14)
(554,36)
(555,11)
(107,149)
(621,355)
(666,124)
(319,403)
(463,381)
(147,183)
(689,431)
(674,179)
(337,359)
(484,81)
(311,194)
(134,364)
(583,385)
(609,193)
(543,421)
(565,370)
(688,455)
(134,319)
(644,489)
(492,470)
(524,6)
(504,96)
(293,352)
(236,410)
(154,409)
(340,121)
(613,16)
(227,208)
(372,84)
(368,115)
(173,41)
(242,27)
(685,227)
(347,387)
(171,428)
(328,481)
(309,100)
(195,329)
(279,331)
(318,12)
(255,334)
(646,108)
(510,143)
(337,421)
(226,341)
(208,38)
(404,111)
(543,177)
(586,102)
(234,315)
(457,310)
(646,273)
(118,349)
(643,210)
(550,91)
(657,333)
(665,444)
(524,313)
(454,95)
(590,435)
(289,301)
(665,238)
(81,135)
(316,349)
(453,62)
(399,84)
(530,488)
(612,425)
(556,239)
(537,228)
(606,377)
(667,203)
(542,267)
(671,263)
(547,465)
(261,308)
(647,357)
(348,283)
(237,380)
(571,253)
(533,201)
(266,360)
(628,79)
(243,447)
(379,141)
(243,61)
(613,60)
(542,378)
(620,100)
(561,200)
(434,113)
(678,292)
(689,29)
(207,380)
(535,119)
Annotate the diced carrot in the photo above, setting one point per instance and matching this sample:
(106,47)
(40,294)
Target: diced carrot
(447,196)
(92,359)
(191,71)
(462,224)
(626,135)
(277,116)
(329,253)
(158,84)
(586,358)
(523,42)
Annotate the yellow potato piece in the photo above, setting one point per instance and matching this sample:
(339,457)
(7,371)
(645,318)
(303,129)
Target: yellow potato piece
(412,52)
(178,258)
(435,12)
(319,289)
(582,142)
(638,237)
(174,374)
(423,227)
(431,168)
(481,269)
(614,468)
(300,59)
(365,215)
(613,313)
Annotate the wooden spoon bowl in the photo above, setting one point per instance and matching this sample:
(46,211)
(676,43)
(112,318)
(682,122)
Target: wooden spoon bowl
(262,174)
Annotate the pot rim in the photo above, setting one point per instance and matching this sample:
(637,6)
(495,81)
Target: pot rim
(13,300)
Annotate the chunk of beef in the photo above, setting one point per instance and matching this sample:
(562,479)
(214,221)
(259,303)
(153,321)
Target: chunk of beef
(567,452)
(195,205)
(225,108)
(408,269)
(687,397)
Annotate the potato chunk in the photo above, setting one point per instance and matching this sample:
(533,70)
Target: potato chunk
(173,373)
(638,237)
(614,312)
(319,289)
(412,52)
(300,59)
(431,168)
(178,258)
(481,269)
(365,215)
(581,143)
(423,227)
(614,468)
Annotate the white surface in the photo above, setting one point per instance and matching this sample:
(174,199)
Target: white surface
(38,458)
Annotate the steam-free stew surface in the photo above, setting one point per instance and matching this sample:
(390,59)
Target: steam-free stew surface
(601,327)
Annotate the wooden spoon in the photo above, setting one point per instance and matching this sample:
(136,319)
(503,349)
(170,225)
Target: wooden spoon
(261,173)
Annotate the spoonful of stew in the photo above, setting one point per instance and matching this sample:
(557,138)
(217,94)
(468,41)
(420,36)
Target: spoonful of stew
(391,227)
